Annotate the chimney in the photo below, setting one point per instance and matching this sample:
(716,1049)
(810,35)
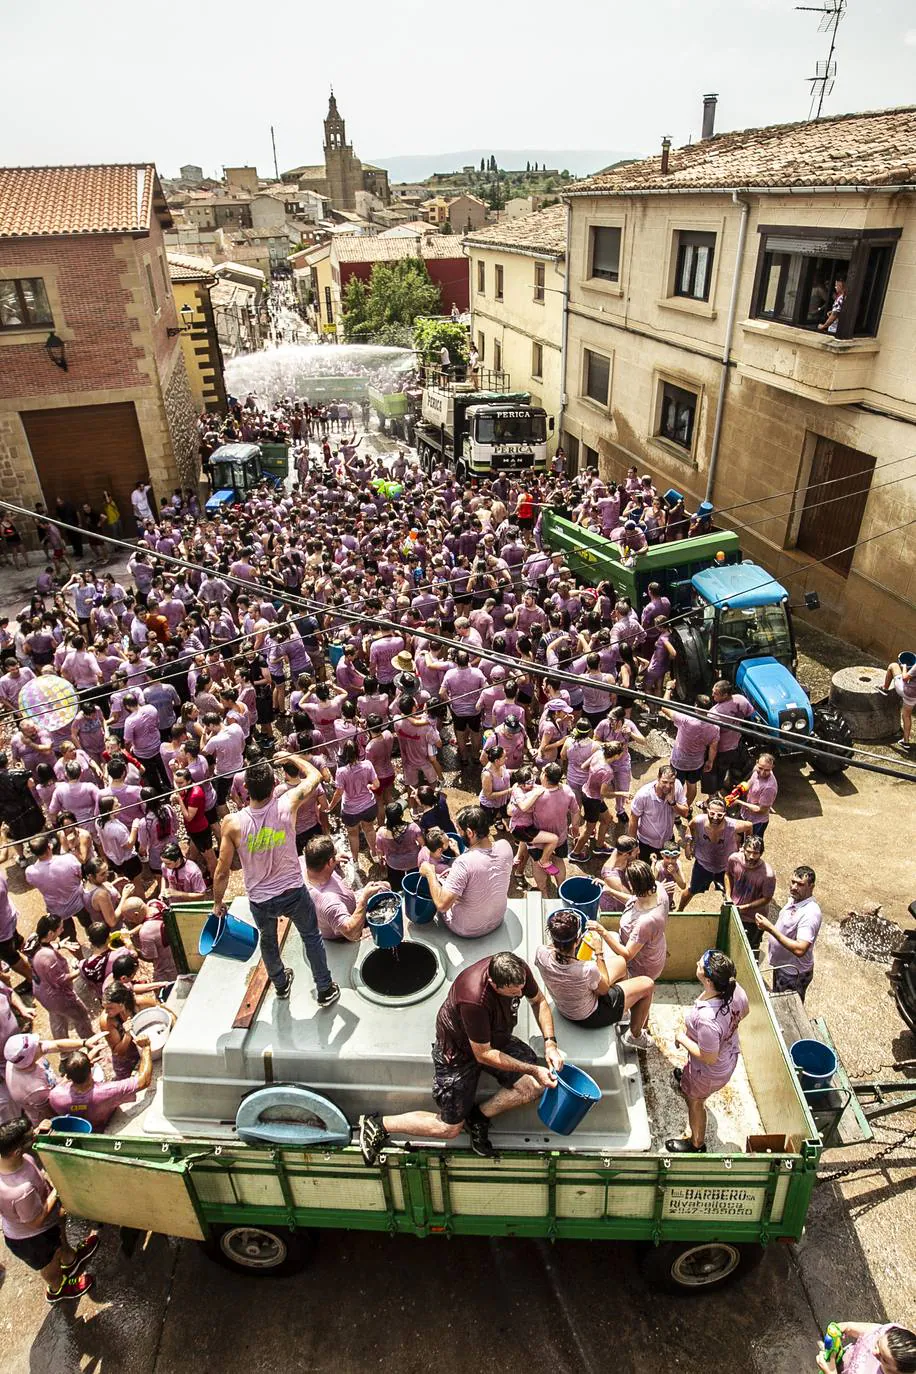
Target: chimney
(709,115)
(666,149)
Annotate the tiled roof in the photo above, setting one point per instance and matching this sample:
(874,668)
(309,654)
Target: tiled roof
(873,149)
(309,173)
(542,232)
(113,199)
(375,248)
(186,267)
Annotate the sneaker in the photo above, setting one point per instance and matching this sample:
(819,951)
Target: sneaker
(582,857)
(478,1128)
(284,991)
(602,851)
(72,1288)
(676,1075)
(329,996)
(642,1041)
(84,1252)
(372,1138)
(903,744)
(683,1145)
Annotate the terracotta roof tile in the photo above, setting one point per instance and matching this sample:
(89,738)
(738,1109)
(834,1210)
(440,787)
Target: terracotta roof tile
(541,232)
(187,267)
(113,199)
(877,149)
(375,248)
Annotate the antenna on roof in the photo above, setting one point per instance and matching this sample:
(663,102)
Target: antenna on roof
(822,83)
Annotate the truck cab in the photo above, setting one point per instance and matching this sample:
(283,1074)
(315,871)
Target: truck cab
(482,430)
(505,438)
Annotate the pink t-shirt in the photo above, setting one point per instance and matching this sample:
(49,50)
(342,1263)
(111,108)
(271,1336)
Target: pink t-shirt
(480,879)
(761,792)
(572,983)
(401,851)
(335,902)
(554,809)
(461,687)
(354,781)
(23,1195)
(692,741)
(97,1103)
(648,929)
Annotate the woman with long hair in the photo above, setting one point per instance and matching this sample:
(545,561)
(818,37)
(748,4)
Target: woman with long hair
(710,1039)
(641,941)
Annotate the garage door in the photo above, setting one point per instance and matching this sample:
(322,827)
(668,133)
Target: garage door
(81,451)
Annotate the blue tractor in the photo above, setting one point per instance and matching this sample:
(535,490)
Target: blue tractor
(235,471)
(740,629)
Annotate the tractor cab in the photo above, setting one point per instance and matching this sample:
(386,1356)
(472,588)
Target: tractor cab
(743,615)
(236,470)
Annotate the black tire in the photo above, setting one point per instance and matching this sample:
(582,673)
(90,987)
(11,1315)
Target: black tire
(692,669)
(903,980)
(260,1251)
(701,1266)
(831,732)
(461,471)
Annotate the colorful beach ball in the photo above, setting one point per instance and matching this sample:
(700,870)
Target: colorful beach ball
(49,701)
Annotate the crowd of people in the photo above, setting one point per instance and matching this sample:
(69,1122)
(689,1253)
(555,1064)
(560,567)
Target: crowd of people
(296,693)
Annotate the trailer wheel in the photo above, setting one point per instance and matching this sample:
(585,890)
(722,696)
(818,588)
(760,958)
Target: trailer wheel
(692,669)
(699,1266)
(833,733)
(261,1251)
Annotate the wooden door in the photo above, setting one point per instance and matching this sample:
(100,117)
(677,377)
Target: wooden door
(81,451)
(832,514)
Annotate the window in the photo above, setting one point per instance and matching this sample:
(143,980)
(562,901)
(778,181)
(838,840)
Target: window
(604,254)
(481,277)
(498,291)
(539,287)
(693,270)
(537,360)
(677,416)
(591,457)
(24,304)
(152,287)
(497,355)
(166,279)
(481,344)
(597,377)
(328,307)
(802,272)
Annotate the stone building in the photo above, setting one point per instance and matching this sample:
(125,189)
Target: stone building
(193,279)
(702,287)
(93,388)
(343,174)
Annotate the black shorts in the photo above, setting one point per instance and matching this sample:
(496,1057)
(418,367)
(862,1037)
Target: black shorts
(131,868)
(792,980)
(462,723)
(222,787)
(701,880)
(362,818)
(594,718)
(525,833)
(202,840)
(561,851)
(212,817)
(37,1251)
(593,808)
(689,774)
(455,1081)
(608,1011)
(9,949)
(31,821)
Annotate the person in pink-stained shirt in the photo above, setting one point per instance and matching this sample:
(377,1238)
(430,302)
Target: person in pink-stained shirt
(473,899)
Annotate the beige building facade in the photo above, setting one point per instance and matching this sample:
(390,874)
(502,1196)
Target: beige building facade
(700,348)
(517,273)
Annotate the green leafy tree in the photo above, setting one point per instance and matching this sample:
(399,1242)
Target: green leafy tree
(396,294)
(430,334)
(482,168)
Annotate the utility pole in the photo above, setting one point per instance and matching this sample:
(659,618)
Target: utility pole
(831,12)
(274,146)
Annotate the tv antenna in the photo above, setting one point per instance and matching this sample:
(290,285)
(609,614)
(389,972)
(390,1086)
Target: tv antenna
(822,83)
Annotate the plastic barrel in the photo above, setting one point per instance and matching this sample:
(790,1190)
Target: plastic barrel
(564,1107)
(583,895)
(71,1125)
(386,926)
(418,905)
(229,936)
(816,1063)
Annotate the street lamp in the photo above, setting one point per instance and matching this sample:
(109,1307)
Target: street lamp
(56,351)
(186,315)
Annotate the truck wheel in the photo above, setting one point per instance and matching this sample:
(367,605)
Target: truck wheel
(461,471)
(261,1251)
(692,670)
(700,1266)
(833,734)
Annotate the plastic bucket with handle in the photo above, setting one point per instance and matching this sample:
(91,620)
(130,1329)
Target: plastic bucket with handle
(71,1125)
(385,919)
(457,841)
(418,905)
(906,659)
(335,654)
(229,936)
(815,1063)
(564,1107)
(583,895)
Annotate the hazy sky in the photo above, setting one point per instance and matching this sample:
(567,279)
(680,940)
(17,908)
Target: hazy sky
(201,82)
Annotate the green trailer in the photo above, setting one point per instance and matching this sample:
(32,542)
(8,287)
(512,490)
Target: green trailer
(388,405)
(275,459)
(321,390)
(703,1218)
(595,559)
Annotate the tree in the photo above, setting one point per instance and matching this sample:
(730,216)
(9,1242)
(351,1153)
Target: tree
(397,293)
(429,336)
(482,168)
(528,166)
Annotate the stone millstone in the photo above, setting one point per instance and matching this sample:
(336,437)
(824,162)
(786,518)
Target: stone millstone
(854,692)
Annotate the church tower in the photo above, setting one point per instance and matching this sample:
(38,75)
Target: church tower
(341,168)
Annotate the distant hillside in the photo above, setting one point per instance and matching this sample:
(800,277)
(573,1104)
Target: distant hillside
(417,166)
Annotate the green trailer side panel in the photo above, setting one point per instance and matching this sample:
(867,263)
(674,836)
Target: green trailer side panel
(275,459)
(147,1194)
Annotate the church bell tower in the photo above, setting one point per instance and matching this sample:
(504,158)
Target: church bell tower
(339,163)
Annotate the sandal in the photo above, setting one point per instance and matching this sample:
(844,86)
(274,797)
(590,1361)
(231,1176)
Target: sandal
(548,868)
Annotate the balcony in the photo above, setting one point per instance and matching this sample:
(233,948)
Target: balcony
(817,367)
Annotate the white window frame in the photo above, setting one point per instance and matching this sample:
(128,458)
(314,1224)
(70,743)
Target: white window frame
(670,446)
(598,284)
(667,299)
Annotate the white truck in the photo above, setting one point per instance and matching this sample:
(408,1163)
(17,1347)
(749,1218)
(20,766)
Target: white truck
(481,431)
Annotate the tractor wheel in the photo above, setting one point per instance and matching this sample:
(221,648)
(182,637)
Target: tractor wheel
(692,669)
(832,734)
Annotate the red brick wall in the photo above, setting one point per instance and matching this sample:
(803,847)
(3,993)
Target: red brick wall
(104,352)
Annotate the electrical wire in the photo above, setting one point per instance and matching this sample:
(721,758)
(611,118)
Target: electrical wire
(856,757)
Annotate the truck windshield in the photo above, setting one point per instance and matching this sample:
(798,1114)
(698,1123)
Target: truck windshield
(756,630)
(511,427)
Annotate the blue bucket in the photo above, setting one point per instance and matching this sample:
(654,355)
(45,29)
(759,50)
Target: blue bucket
(385,920)
(71,1125)
(418,905)
(335,654)
(672,495)
(564,1107)
(229,936)
(906,659)
(583,895)
(458,843)
(816,1063)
